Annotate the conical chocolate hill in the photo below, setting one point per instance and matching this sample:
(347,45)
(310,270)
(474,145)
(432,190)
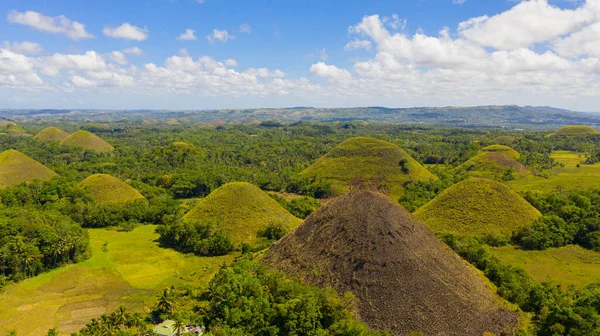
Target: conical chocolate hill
(404,278)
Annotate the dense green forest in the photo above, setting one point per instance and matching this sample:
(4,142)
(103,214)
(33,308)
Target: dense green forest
(43,224)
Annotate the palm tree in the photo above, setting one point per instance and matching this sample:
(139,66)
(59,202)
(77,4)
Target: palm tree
(165,304)
(52,332)
(178,327)
(121,316)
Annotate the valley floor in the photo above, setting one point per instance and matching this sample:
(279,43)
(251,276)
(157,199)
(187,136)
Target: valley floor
(126,268)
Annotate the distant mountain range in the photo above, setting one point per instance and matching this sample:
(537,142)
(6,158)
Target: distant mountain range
(506,116)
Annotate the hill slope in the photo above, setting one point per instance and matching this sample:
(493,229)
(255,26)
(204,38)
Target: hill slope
(51,134)
(574,130)
(405,280)
(9,127)
(477,207)
(367,162)
(106,189)
(16,168)
(511,153)
(87,141)
(241,210)
(492,165)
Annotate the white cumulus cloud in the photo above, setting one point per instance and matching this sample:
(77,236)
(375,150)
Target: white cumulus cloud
(56,25)
(126,31)
(188,35)
(219,35)
(27,48)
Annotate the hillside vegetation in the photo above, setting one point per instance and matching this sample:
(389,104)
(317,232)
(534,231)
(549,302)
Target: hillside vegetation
(511,153)
(241,210)
(87,141)
(493,165)
(16,168)
(477,207)
(51,134)
(574,130)
(9,127)
(106,189)
(404,278)
(367,162)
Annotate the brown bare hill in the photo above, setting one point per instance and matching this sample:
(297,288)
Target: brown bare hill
(405,279)
(87,141)
(51,134)
(16,168)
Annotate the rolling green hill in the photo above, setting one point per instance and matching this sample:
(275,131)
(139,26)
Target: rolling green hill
(51,134)
(241,210)
(511,153)
(367,162)
(9,127)
(574,130)
(87,141)
(477,207)
(492,165)
(16,168)
(106,189)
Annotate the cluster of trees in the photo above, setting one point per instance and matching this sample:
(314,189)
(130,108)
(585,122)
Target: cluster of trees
(32,242)
(300,207)
(245,298)
(556,311)
(194,237)
(119,322)
(572,218)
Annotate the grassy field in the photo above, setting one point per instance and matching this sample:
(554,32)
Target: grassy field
(569,177)
(51,134)
(126,268)
(574,130)
(569,265)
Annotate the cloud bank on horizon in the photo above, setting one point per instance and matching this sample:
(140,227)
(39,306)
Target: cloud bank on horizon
(534,52)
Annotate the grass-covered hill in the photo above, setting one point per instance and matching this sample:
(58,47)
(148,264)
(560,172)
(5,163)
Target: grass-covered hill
(477,207)
(367,162)
(51,134)
(574,130)
(106,189)
(241,210)
(511,153)
(493,165)
(403,277)
(87,141)
(16,168)
(10,127)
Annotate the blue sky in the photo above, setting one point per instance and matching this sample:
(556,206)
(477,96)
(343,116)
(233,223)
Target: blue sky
(80,54)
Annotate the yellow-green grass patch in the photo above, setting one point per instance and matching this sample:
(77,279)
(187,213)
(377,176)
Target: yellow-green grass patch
(511,153)
(360,162)
(51,134)
(87,141)
(477,207)
(10,127)
(130,270)
(106,189)
(568,265)
(16,168)
(562,179)
(241,210)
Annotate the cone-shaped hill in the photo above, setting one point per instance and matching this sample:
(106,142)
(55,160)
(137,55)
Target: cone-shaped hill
(477,207)
(367,162)
(51,134)
(511,153)
(241,210)
(10,127)
(574,130)
(405,279)
(16,168)
(106,189)
(492,165)
(87,141)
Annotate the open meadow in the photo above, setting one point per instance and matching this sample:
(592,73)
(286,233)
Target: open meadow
(125,268)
